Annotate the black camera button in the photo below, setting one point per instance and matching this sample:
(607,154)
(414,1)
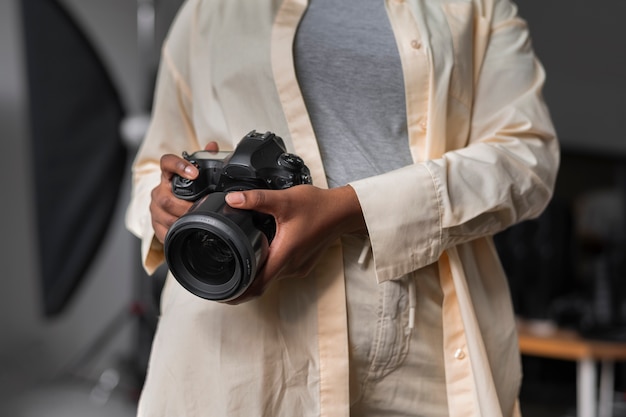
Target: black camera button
(290,161)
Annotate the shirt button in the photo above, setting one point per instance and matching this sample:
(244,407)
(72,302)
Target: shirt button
(459,354)
(415,44)
(423,125)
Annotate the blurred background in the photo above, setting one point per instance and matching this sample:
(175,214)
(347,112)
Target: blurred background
(76,311)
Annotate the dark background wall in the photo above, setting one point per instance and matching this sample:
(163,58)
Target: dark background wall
(583,46)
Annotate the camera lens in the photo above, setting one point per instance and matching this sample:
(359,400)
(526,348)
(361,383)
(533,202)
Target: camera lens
(214,250)
(208,257)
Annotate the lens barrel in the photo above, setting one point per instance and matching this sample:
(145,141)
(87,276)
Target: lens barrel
(214,250)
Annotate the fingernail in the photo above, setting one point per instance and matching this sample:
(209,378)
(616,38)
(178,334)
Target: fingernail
(190,170)
(235,198)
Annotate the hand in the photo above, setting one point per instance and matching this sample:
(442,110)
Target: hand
(308,221)
(165,207)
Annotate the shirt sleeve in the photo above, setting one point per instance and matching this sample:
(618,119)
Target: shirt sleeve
(171,131)
(504,175)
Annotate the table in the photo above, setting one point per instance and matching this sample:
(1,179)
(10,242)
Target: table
(548,341)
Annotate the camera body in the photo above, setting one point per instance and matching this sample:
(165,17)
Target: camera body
(259,161)
(214,250)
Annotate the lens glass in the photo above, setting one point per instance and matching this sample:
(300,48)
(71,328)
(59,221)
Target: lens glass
(208,257)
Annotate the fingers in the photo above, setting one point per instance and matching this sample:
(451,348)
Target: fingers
(283,260)
(160,231)
(264,201)
(269,202)
(308,221)
(212,147)
(174,165)
(165,207)
(247,200)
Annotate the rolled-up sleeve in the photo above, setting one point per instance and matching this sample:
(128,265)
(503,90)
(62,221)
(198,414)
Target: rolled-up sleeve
(504,175)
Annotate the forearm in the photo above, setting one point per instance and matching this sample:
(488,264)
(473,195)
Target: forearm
(346,211)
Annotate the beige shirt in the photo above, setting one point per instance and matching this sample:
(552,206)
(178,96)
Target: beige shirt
(485,156)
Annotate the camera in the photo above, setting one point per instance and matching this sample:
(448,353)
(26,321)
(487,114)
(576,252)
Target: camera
(214,250)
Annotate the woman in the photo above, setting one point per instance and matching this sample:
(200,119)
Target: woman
(425,131)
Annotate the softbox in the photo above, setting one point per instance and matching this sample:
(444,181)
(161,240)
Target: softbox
(78,155)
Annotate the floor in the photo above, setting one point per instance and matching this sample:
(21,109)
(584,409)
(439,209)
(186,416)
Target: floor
(70,399)
(73,398)
(112,391)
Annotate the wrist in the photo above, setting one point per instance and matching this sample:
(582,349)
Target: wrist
(347,208)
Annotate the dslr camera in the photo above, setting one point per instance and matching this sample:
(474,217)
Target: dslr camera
(214,250)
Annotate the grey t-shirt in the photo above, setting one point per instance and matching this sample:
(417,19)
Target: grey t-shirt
(349,70)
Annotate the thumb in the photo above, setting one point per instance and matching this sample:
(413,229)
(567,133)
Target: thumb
(251,200)
(236,199)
